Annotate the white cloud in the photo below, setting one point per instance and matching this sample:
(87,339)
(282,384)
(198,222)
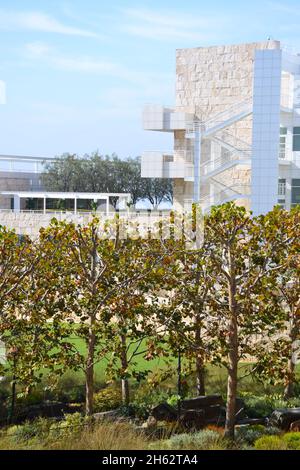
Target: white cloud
(38,21)
(171,26)
(49,56)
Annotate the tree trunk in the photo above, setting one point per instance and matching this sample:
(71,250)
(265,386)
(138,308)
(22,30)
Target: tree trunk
(289,388)
(124,364)
(89,373)
(200,376)
(200,369)
(233,365)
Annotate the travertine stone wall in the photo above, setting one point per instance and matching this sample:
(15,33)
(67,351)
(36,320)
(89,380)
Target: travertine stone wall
(30,223)
(208,81)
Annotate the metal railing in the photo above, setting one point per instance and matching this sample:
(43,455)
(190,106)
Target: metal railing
(23,164)
(236,110)
(227,193)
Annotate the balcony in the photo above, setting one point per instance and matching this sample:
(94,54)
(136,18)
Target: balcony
(163,165)
(164,119)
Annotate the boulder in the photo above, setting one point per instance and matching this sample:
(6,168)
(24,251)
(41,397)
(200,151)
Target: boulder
(110,415)
(251,421)
(214,414)
(192,419)
(45,410)
(164,412)
(283,418)
(295,426)
(151,423)
(202,401)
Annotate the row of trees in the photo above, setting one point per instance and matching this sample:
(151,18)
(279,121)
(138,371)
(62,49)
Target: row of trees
(235,297)
(105,174)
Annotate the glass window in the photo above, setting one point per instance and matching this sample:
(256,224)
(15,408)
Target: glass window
(295,192)
(296,143)
(296,139)
(281,187)
(282,145)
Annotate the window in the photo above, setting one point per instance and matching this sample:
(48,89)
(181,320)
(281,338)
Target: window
(295,192)
(281,203)
(281,187)
(296,139)
(282,145)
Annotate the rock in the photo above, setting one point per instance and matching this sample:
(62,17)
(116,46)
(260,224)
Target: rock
(214,414)
(45,410)
(164,412)
(283,418)
(251,421)
(202,401)
(110,415)
(192,419)
(151,422)
(295,426)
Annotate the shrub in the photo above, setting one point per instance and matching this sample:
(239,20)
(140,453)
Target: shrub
(270,443)
(108,398)
(38,429)
(72,425)
(259,407)
(202,440)
(293,440)
(173,400)
(145,400)
(249,434)
(103,436)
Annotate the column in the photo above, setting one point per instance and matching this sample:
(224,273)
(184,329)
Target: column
(17,204)
(266,125)
(107,205)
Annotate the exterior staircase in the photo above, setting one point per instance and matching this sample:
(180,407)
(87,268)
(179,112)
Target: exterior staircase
(220,121)
(235,152)
(225,194)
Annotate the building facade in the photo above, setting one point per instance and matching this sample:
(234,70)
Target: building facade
(19,173)
(236,126)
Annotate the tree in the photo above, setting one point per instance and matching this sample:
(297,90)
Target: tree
(18,260)
(105,174)
(98,269)
(241,308)
(188,284)
(64,174)
(279,364)
(129,330)
(157,190)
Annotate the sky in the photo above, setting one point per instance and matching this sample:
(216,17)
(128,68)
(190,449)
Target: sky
(78,72)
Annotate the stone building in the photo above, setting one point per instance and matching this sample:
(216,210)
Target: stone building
(236,126)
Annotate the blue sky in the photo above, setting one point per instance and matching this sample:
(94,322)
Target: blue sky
(78,72)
